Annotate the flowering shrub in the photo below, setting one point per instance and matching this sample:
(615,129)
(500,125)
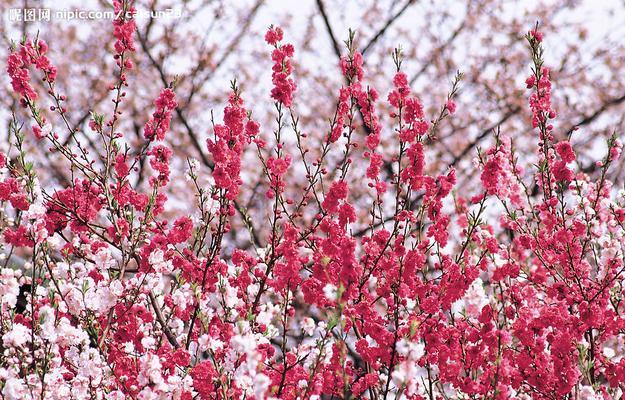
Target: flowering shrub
(418,291)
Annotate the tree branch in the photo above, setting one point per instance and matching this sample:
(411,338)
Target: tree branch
(326,21)
(387,25)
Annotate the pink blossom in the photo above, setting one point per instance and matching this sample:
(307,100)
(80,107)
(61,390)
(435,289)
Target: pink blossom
(451,106)
(565,151)
(158,124)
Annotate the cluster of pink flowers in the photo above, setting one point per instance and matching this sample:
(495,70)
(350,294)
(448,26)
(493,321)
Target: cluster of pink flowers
(158,125)
(409,108)
(283,84)
(159,160)
(363,98)
(277,169)
(355,99)
(30,53)
(20,77)
(11,190)
(124,28)
(512,290)
(498,175)
(230,140)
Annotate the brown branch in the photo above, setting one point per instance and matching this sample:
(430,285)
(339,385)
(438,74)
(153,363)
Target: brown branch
(590,118)
(483,135)
(439,50)
(387,25)
(159,316)
(229,50)
(326,21)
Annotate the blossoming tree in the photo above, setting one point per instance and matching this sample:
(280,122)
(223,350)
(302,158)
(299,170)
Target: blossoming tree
(367,277)
(213,41)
